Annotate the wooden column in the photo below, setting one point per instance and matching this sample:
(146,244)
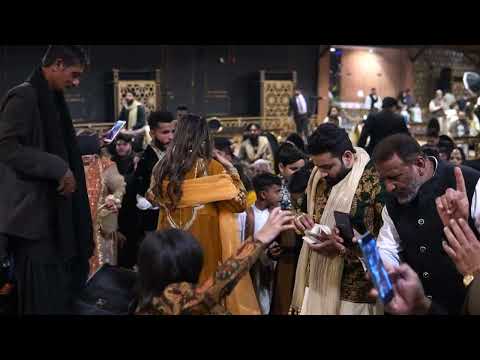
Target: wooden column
(116,94)
(158,82)
(262,84)
(408,73)
(323,84)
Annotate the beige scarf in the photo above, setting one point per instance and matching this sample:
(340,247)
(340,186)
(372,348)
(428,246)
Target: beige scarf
(258,153)
(132,121)
(132,114)
(318,278)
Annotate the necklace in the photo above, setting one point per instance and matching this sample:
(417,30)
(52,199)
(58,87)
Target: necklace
(195,209)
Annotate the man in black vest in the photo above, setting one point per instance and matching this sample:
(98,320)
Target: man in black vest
(373,102)
(464,249)
(413,229)
(45,218)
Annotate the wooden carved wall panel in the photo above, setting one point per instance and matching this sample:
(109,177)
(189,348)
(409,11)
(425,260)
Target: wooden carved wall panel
(145,91)
(276,96)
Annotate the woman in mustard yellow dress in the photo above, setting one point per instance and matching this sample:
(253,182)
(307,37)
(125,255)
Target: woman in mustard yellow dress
(199,191)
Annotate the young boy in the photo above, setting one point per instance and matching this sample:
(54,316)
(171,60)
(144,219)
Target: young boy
(290,160)
(290,245)
(268,189)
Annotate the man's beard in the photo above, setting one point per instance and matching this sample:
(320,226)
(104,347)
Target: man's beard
(254,140)
(125,156)
(129,102)
(415,187)
(334,181)
(159,145)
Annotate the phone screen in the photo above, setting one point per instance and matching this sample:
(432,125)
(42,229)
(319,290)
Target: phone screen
(375,266)
(342,222)
(114,131)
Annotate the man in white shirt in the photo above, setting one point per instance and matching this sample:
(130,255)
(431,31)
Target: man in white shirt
(416,113)
(299,108)
(373,102)
(412,230)
(437,108)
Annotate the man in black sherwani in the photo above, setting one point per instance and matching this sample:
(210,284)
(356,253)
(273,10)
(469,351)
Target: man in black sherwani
(45,220)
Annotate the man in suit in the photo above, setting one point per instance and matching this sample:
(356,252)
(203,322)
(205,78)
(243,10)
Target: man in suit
(299,109)
(381,125)
(45,218)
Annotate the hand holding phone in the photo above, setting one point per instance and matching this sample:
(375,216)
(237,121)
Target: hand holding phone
(114,131)
(374,264)
(344,225)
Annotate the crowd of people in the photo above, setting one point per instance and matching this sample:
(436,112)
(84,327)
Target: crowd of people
(208,228)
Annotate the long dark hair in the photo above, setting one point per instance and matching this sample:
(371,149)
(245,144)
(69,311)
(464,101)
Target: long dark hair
(191,142)
(331,108)
(164,258)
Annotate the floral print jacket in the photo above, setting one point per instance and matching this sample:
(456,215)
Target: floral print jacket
(189,299)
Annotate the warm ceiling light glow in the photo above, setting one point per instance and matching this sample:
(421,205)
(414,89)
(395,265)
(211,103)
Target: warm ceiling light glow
(332,49)
(360,94)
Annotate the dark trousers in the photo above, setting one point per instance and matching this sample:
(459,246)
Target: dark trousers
(301,121)
(149,220)
(285,271)
(144,222)
(46,284)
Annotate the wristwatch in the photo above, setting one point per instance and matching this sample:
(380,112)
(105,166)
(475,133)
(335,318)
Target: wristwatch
(467,280)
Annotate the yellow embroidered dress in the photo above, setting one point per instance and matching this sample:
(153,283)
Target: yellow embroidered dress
(211,197)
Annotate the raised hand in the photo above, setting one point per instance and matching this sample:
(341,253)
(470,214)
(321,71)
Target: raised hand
(463,247)
(454,204)
(277,222)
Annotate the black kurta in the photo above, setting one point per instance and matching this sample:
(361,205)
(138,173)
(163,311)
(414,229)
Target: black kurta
(421,232)
(49,235)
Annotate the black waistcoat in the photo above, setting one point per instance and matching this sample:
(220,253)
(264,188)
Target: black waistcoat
(421,233)
(374,100)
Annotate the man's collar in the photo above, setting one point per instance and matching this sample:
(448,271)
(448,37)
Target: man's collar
(434,160)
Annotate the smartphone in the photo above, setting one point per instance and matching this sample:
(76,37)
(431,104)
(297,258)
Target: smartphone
(114,131)
(375,266)
(344,225)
